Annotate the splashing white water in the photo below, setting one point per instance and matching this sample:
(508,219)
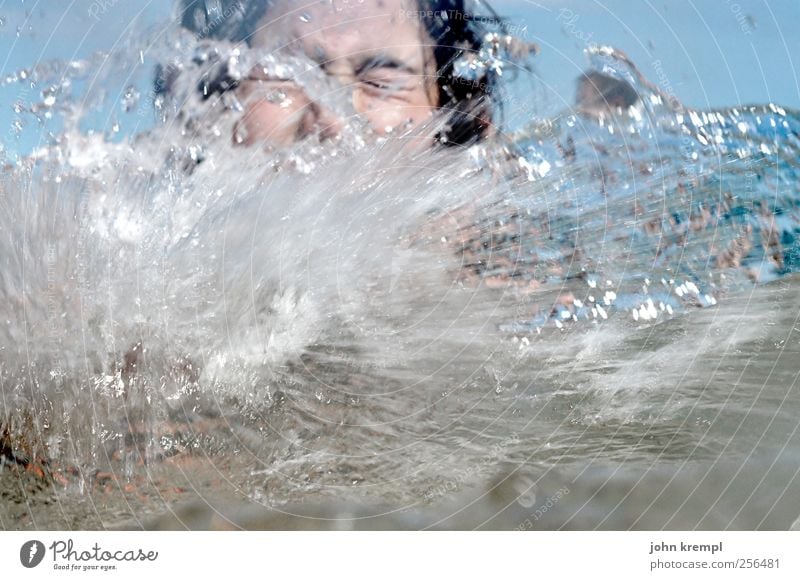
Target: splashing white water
(357,302)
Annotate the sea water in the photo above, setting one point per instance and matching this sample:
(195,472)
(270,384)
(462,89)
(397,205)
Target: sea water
(589,323)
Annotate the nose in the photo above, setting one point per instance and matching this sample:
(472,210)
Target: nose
(282,121)
(321,121)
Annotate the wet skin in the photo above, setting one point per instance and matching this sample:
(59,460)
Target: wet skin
(375,50)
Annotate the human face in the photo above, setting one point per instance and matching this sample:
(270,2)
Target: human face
(375,49)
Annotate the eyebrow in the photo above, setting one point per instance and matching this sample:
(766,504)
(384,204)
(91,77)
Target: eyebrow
(384,61)
(375,61)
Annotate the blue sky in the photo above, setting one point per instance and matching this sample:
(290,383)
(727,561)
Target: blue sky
(715,53)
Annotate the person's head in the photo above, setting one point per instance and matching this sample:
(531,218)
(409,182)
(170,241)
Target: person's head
(396,58)
(599,94)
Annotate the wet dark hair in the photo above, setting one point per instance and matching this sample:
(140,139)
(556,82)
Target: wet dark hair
(454,30)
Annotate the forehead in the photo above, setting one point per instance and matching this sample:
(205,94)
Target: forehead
(342,28)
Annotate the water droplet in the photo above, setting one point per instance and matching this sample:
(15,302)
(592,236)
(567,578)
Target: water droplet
(240,134)
(130,98)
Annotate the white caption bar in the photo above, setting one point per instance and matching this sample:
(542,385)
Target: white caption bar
(354,555)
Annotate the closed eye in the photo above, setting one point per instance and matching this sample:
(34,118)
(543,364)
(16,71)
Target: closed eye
(388,80)
(377,84)
(384,73)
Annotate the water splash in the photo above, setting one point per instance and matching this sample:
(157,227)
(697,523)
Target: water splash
(335,327)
